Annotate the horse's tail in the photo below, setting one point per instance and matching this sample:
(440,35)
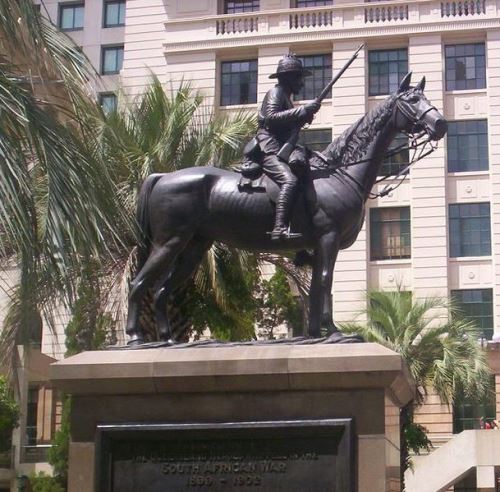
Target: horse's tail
(142,216)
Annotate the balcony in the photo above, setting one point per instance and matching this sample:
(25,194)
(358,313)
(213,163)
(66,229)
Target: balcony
(34,454)
(341,21)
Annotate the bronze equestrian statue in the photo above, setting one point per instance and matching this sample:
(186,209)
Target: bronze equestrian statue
(182,213)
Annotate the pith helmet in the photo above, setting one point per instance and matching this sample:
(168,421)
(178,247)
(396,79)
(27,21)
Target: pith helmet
(290,64)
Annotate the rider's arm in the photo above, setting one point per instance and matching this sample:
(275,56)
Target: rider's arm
(275,116)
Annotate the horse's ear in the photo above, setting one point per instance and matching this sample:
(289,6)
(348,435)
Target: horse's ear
(421,84)
(405,83)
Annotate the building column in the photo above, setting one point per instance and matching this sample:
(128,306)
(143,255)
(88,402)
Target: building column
(350,281)
(485,479)
(429,216)
(428,182)
(198,70)
(497,394)
(493,85)
(144,37)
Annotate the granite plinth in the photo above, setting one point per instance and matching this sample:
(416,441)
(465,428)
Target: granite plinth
(363,382)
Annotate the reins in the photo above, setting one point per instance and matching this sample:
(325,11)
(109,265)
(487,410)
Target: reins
(415,146)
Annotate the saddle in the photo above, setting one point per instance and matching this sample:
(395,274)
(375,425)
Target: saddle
(252,173)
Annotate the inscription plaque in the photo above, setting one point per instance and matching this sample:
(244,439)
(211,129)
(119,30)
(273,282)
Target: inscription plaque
(292,456)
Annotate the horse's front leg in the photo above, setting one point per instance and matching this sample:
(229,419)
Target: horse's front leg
(320,295)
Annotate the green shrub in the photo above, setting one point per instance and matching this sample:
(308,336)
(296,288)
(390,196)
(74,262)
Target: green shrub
(9,415)
(41,482)
(59,452)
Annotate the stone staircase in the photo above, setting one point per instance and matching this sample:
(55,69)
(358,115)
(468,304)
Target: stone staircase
(447,465)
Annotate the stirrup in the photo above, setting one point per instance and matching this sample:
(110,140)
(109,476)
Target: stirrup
(283,233)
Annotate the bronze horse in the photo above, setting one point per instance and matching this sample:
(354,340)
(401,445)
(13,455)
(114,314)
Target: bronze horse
(183,212)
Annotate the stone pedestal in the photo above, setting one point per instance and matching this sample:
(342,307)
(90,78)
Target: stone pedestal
(241,386)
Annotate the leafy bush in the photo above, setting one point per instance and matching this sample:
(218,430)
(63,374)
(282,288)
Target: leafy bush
(41,482)
(9,415)
(276,305)
(58,454)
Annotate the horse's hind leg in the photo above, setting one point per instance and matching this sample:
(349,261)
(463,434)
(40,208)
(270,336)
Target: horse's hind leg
(184,269)
(159,261)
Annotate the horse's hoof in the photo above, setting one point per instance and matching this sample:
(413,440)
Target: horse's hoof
(338,337)
(135,340)
(167,341)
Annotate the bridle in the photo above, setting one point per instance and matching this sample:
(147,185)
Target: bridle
(416,145)
(408,112)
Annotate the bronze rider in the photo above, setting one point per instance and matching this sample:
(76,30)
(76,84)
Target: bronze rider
(278,119)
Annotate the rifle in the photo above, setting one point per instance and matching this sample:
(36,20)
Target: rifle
(289,145)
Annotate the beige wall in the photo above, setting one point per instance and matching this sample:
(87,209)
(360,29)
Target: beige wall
(436,417)
(144,38)
(349,104)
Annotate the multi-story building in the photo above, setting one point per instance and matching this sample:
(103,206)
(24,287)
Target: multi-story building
(437,234)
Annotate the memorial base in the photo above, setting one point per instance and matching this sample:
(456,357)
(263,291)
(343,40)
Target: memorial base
(291,417)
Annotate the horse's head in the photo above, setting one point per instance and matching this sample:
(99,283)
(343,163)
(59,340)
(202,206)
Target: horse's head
(414,113)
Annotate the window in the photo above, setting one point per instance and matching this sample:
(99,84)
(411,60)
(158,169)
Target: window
(312,3)
(467,144)
(239,6)
(393,164)
(467,412)
(71,16)
(108,101)
(386,70)
(477,306)
(390,236)
(238,82)
(41,411)
(321,68)
(470,229)
(112,60)
(114,13)
(316,139)
(32,416)
(465,66)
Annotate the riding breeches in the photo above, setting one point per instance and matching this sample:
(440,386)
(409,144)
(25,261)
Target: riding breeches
(282,175)
(278,171)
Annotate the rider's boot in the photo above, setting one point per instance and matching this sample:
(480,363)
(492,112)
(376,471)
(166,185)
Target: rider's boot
(283,205)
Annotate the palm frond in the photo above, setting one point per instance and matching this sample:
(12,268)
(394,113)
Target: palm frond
(441,352)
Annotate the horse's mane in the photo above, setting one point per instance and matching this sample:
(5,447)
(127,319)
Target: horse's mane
(353,142)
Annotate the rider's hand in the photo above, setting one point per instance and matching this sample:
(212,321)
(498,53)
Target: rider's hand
(309,118)
(312,107)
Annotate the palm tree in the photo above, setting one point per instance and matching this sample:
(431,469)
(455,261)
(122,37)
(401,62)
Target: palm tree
(442,352)
(56,197)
